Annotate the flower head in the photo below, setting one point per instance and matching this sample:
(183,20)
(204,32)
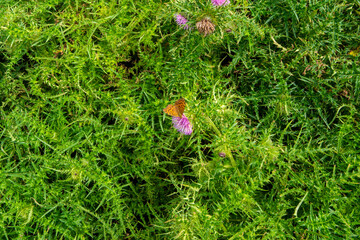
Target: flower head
(220,2)
(182,124)
(205,26)
(181,21)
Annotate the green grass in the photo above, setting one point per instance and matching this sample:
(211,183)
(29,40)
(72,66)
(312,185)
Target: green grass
(87,153)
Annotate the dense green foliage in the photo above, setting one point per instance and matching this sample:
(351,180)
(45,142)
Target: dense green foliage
(87,153)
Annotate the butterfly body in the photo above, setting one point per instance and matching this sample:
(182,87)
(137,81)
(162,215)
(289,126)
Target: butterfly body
(176,109)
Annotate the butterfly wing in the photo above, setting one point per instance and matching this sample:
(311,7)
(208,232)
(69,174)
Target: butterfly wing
(171,110)
(180,106)
(177,109)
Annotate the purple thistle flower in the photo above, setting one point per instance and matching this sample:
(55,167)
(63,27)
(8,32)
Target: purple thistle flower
(220,2)
(181,21)
(182,124)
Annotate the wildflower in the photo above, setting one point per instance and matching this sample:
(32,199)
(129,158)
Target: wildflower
(181,21)
(205,26)
(220,2)
(182,124)
(222,154)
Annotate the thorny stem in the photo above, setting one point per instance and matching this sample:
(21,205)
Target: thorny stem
(227,150)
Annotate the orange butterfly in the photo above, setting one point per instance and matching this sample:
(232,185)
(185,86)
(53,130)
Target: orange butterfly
(177,109)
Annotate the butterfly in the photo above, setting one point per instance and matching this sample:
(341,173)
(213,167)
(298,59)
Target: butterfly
(176,109)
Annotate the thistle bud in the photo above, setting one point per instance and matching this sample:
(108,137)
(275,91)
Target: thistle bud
(222,154)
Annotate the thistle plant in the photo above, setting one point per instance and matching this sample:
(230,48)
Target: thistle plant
(87,153)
